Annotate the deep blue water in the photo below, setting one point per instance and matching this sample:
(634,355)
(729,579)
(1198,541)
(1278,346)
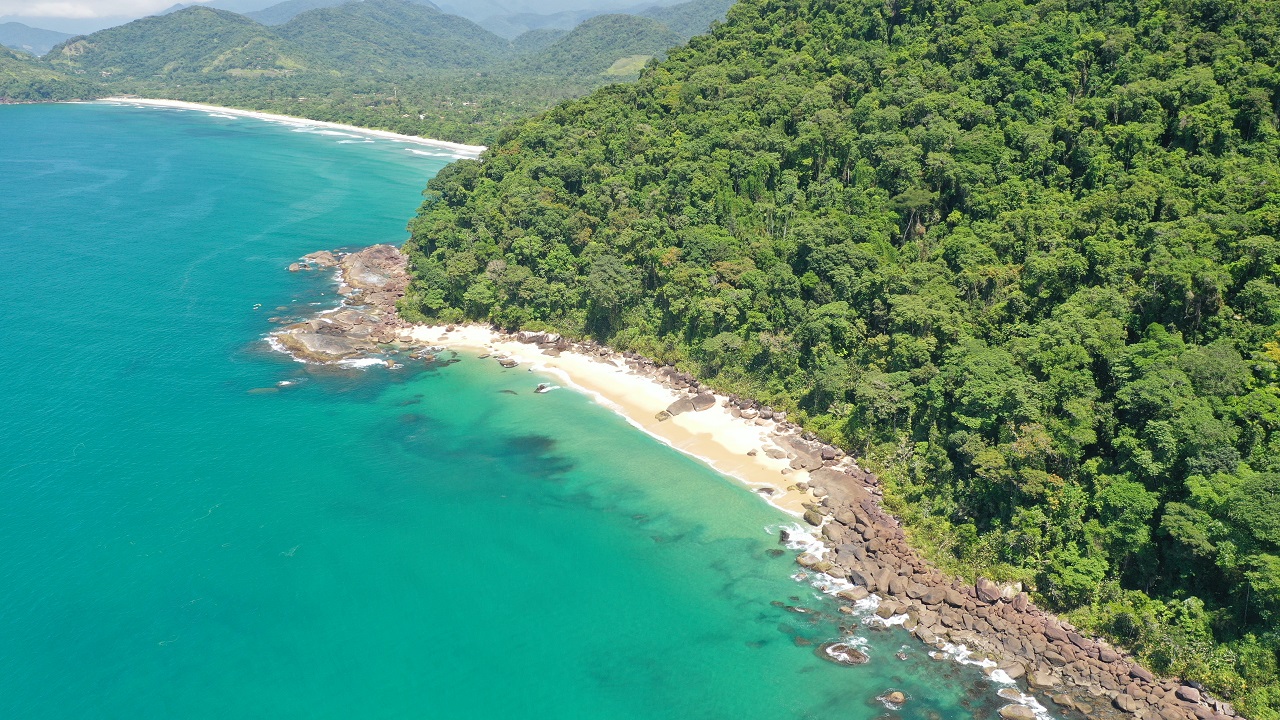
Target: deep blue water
(185,538)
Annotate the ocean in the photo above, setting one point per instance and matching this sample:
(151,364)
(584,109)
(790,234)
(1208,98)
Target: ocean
(195,526)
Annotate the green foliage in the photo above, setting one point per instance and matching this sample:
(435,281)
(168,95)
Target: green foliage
(1021,254)
(392,36)
(596,44)
(193,41)
(690,18)
(23,79)
(393,65)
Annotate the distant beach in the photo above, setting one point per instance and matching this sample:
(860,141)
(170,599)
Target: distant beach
(459,149)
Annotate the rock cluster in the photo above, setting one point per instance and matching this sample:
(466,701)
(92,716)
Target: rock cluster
(997,621)
(372,280)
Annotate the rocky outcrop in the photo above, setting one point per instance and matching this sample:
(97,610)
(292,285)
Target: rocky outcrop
(372,281)
(999,622)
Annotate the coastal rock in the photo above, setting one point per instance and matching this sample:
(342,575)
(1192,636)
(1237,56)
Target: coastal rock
(1042,679)
(1125,703)
(1140,673)
(1188,693)
(808,560)
(854,594)
(1017,712)
(703,401)
(1014,670)
(841,654)
(323,258)
(320,347)
(683,405)
(933,596)
(987,591)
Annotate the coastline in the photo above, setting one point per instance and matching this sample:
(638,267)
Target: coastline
(730,445)
(851,547)
(461,150)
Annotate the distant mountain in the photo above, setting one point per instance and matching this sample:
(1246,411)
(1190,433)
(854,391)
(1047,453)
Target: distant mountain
(24,78)
(479,10)
(17,36)
(393,36)
(282,13)
(690,18)
(616,45)
(515,24)
(535,40)
(195,40)
(244,7)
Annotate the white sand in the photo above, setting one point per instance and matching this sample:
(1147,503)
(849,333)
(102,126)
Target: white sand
(713,436)
(469,151)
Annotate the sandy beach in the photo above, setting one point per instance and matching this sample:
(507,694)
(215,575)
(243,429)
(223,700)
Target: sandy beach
(458,149)
(713,436)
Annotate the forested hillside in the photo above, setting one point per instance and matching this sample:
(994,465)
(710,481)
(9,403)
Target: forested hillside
(197,41)
(392,36)
(690,18)
(23,79)
(399,65)
(594,47)
(1019,254)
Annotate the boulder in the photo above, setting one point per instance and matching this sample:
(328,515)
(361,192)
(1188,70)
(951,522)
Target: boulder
(925,635)
(853,594)
(988,592)
(683,405)
(859,577)
(888,609)
(1017,712)
(933,596)
(1188,693)
(841,653)
(1020,602)
(703,401)
(1125,703)
(1014,670)
(898,585)
(1140,673)
(1042,679)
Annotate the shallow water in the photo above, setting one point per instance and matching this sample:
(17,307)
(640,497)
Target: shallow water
(186,536)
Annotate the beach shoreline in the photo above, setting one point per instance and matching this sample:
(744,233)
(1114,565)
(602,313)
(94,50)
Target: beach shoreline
(733,446)
(851,546)
(460,149)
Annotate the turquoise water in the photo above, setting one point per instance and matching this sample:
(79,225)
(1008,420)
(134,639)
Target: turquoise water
(185,538)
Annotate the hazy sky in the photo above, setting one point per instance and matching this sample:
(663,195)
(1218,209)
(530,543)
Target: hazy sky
(82,8)
(85,16)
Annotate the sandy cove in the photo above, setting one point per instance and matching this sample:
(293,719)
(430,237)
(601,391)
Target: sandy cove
(860,549)
(734,446)
(459,149)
